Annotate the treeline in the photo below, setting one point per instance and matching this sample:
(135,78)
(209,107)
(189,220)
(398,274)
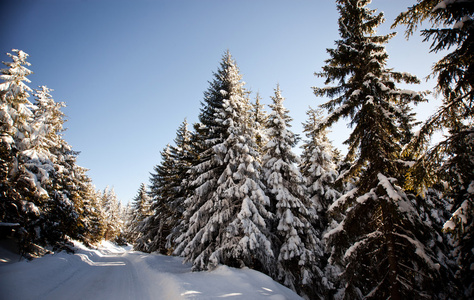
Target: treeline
(393,219)
(46,199)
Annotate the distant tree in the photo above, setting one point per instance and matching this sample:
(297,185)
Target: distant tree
(157,227)
(140,210)
(451,160)
(168,190)
(380,241)
(113,224)
(258,119)
(92,221)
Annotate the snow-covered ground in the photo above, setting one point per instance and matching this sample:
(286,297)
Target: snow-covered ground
(113,272)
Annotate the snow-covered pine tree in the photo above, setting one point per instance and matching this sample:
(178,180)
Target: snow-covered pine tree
(111,213)
(182,154)
(19,188)
(380,241)
(140,210)
(227,211)
(318,166)
(52,160)
(297,244)
(452,159)
(167,190)
(41,187)
(258,119)
(91,214)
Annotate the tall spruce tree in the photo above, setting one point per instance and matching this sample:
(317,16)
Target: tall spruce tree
(52,161)
(41,187)
(299,248)
(15,109)
(164,184)
(452,159)
(23,176)
(227,211)
(380,241)
(181,154)
(157,226)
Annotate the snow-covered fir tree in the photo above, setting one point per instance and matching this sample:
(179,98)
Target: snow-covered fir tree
(52,161)
(168,189)
(181,154)
(380,241)
(227,212)
(26,159)
(258,119)
(157,226)
(42,188)
(111,212)
(140,210)
(297,246)
(451,160)
(318,166)
(16,200)
(91,214)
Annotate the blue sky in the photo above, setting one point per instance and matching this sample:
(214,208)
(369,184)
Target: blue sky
(131,71)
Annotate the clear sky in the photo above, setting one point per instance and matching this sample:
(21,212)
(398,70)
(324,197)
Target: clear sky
(131,71)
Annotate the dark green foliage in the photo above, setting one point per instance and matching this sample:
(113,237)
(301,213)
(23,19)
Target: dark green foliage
(380,241)
(168,191)
(451,160)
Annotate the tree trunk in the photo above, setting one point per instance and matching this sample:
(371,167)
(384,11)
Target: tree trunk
(391,254)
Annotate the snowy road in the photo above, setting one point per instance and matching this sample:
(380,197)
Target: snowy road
(117,273)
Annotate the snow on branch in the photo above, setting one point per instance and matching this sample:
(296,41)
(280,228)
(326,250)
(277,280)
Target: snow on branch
(420,251)
(364,241)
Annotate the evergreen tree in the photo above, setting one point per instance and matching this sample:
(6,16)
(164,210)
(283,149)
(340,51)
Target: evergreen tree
(450,160)
(298,246)
(111,214)
(91,215)
(156,227)
(259,119)
(42,190)
(139,211)
(181,154)
(318,167)
(227,211)
(380,241)
(168,191)
(20,188)
(51,160)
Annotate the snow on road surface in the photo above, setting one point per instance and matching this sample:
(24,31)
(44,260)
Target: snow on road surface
(113,272)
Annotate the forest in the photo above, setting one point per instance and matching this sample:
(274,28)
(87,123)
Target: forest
(391,219)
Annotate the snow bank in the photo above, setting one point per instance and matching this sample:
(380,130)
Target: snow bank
(112,272)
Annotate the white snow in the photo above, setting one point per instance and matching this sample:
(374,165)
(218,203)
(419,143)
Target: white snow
(112,272)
